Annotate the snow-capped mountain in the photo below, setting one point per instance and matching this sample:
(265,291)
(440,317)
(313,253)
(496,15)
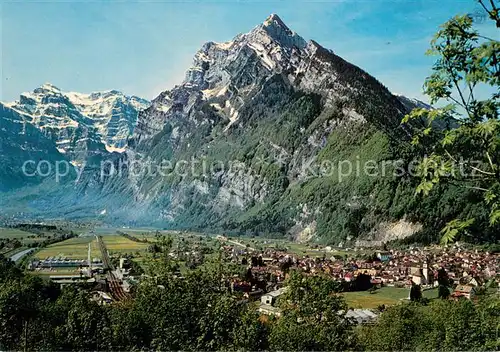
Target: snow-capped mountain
(265,94)
(227,74)
(81,124)
(20,141)
(253,123)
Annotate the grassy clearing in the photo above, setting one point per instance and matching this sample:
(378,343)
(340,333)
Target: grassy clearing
(120,244)
(28,241)
(9,233)
(386,295)
(74,248)
(25,238)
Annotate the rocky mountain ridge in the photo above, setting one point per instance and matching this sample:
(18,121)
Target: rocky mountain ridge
(81,124)
(263,96)
(226,74)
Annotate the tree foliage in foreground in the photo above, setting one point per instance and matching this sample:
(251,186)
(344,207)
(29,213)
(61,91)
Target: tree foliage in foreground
(198,313)
(443,325)
(310,318)
(459,143)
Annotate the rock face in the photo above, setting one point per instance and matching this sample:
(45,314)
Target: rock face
(251,141)
(412,103)
(20,141)
(267,107)
(81,124)
(228,75)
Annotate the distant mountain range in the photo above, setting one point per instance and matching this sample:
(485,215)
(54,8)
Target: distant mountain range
(80,124)
(268,100)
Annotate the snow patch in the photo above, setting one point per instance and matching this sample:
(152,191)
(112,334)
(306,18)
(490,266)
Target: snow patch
(224,46)
(112,149)
(261,51)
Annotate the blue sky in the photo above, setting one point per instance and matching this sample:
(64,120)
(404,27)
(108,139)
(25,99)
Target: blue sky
(143,48)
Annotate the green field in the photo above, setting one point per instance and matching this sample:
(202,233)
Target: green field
(24,237)
(74,248)
(120,244)
(386,295)
(14,233)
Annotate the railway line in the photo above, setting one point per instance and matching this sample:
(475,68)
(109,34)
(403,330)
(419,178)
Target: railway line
(115,286)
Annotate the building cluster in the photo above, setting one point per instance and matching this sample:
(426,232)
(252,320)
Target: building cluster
(466,270)
(53,262)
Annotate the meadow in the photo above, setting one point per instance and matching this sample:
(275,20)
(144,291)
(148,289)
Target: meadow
(9,233)
(25,238)
(74,248)
(387,296)
(119,244)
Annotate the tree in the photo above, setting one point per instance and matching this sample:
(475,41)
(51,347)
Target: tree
(286,265)
(443,325)
(8,270)
(363,282)
(194,260)
(443,292)
(162,265)
(415,292)
(249,332)
(459,143)
(444,282)
(85,324)
(26,314)
(129,328)
(311,317)
(396,330)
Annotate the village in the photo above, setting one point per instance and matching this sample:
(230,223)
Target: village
(468,272)
(368,278)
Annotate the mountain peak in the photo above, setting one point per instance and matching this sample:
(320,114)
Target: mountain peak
(275,28)
(47,87)
(275,20)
